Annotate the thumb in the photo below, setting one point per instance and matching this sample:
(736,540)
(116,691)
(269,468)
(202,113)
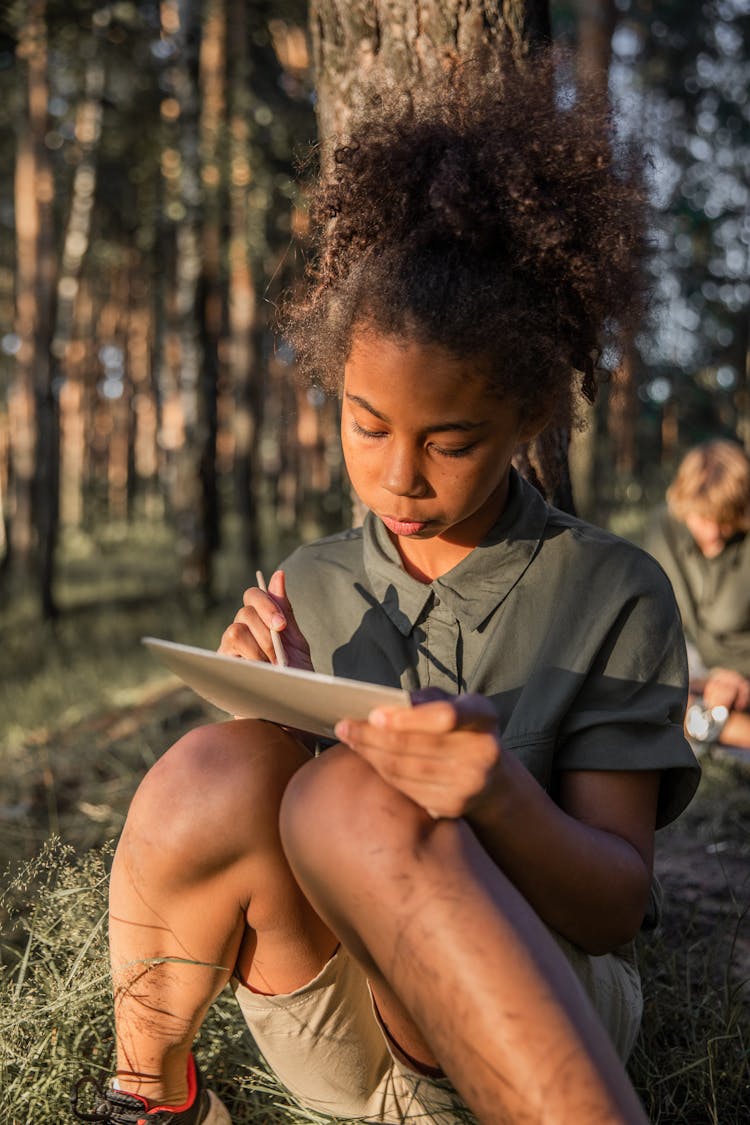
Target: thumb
(277,589)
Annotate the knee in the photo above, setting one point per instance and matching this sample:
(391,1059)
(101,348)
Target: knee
(214,792)
(338,815)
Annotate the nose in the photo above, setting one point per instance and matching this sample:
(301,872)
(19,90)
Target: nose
(401,472)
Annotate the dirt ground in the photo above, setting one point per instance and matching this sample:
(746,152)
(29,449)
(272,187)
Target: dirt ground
(703,860)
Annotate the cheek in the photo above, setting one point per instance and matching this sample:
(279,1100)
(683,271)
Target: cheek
(362,463)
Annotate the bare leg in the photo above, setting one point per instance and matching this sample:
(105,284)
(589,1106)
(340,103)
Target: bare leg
(462,969)
(200,879)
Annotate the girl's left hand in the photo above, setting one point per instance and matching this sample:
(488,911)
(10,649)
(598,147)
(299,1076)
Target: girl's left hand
(445,755)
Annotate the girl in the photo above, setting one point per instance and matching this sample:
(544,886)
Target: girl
(417,921)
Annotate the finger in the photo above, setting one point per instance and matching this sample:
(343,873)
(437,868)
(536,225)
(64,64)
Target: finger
(238,640)
(266,607)
(277,588)
(249,619)
(389,744)
(458,712)
(428,718)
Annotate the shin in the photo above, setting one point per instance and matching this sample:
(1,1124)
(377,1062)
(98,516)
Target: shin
(200,840)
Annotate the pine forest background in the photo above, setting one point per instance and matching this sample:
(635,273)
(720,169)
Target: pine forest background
(155,447)
(151,221)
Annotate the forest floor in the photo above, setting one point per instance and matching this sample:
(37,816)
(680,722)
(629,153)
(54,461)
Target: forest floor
(75,783)
(84,712)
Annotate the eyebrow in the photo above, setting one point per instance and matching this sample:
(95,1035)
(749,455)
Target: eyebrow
(463,426)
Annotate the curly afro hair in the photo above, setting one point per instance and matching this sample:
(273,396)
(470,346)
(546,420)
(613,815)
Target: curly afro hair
(485,215)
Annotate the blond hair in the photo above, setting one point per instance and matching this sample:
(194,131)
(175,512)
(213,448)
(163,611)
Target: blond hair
(713,481)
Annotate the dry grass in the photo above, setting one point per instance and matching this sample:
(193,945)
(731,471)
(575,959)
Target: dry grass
(86,711)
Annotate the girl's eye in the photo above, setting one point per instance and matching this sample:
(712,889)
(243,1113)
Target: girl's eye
(460,452)
(375,435)
(366,433)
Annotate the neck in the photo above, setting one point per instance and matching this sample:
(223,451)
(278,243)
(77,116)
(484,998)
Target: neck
(427,565)
(428,559)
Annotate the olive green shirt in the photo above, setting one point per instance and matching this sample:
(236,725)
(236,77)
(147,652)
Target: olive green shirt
(713,594)
(572,633)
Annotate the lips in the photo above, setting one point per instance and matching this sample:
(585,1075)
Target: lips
(404,527)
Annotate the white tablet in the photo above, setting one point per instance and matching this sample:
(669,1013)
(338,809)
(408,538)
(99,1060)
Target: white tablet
(291,697)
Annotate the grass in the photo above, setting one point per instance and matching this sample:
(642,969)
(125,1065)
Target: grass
(691,1064)
(86,710)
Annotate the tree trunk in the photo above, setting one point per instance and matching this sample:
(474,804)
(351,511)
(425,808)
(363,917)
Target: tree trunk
(356,42)
(596,22)
(741,349)
(212,77)
(187,417)
(246,377)
(33,404)
(65,350)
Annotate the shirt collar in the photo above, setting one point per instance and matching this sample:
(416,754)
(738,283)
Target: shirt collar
(479,583)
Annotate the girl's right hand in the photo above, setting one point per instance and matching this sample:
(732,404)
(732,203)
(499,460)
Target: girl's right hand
(249,635)
(727,688)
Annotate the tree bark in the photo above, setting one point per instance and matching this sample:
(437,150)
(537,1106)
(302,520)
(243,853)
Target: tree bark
(187,416)
(34,403)
(405,42)
(246,377)
(359,41)
(596,22)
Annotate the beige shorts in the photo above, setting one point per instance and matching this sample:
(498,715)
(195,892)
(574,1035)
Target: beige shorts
(325,1044)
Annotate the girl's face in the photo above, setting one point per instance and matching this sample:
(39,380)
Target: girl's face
(428,447)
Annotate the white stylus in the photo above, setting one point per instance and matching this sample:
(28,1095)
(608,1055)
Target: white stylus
(278,647)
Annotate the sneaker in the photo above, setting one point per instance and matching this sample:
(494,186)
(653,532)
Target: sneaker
(117,1107)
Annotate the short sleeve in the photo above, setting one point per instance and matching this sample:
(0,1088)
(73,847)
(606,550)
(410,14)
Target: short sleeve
(630,709)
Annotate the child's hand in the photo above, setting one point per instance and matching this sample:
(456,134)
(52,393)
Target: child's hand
(727,688)
(445,755)
(249,635)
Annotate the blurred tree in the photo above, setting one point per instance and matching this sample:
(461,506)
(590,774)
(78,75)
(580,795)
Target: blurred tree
(166,165)
(150,228)
(187,369)
(689,70)
(244,337)
(595,21)
(33,415)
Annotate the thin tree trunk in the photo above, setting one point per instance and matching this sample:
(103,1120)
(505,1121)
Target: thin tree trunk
(623,410)
(246,376)
(212,72)
(186,420)
(34,407)
(75,247)
(406,42)
(742,361)
(596,21)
